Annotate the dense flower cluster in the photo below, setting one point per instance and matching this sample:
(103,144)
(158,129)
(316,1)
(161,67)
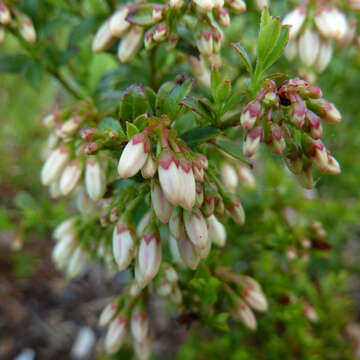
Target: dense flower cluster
(279,115)
(313,31)
(12,18)
(197,23)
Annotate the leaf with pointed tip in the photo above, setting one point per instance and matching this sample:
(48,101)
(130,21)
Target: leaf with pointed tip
(244,56)
(131,130)
(232,149)
(200,134)
(141,15)
(133,103)
(193,104)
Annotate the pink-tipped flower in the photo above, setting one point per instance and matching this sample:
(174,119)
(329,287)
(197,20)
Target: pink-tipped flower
(223,18)
(123,245)
(63,250)
(208,205)
(139,324)
(70,127)
(277,139)
(295,19)
(255,297)
(117,22)
(196,228)
(65,228)
(171,275)
(245,315)
(134,156)
(176,4)
(70,177)
(176,225)
(298,112)
(205,42)
(149,41)
(160,33)
(250,114)
(187,180)
(77,262)
(325,55)
(319,155)
(314,125)
(329,112)
(199,200)
(331,22)
(108,314)
(175,252)
(170,177)
(216,231)
(149,169)
(103,38)
(237,211)
(158,13)
(246,177)
(198,171)
(291,50)
(219,205)
(143,224)
(95,179)
(229,176)
(5,15)
(116,334)
(204,5)
(160,204)
(149,259)
(238,6)
(54,165)
(130,44)
(333,166)
(143,349)
(252,141)
(188,252)
(27,29)
(309,46)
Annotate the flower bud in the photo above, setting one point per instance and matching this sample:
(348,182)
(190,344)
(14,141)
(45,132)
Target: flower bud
(333,166)
(160,33)
(95,179)
(330,113)
(139,325)
(291,50)
(187,181)
(262,4)
(199,196)
(217,41)
(295,19)
(117,22)
(294,162)
(164,289)
(70,177)
(208,205)
(103,38)
(108,313)
(170,177)
(149,42)
(149,169)
(143,224)
(123,245)
(176,224)
(246,177)
(5,15)
(309,46)
(331,22)
(196,228)
(134,156)
(245,315)
(314,125)
(54,165)
(63,250)
(200,71)
(255,298)
(204,5)
(198,171)
(77,262)
(171,275)
(325,55)
(149,258)
(143,349)
(160,204)
(70,127)
(250,114)
(116,334)
(277,143)
(229,176)
(27,29)
(176,4)
(219,205)
(237,6)
(158,13)
(205,42)
(306,179)
(130,44)
(252,141)
(175,252)
(216,231)
(298,112)
(319,156)
(188,252)
(310,313)
(65,228)
(223,18)
(237,211)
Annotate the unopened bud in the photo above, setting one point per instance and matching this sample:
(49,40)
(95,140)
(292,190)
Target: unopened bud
(103,38)
(160,204)
(95,179)
(70,177)
(216,231)
(5,15)
(295,19)
(65,228)
(139,325)
(117,22)
(250,114)
(255,298)
(238,6)
(246,177)
(158,13)
(116,334)
(223,18)
(130,44)
(245,315)
(187,180)
(277,143)
(229,176)
(27,29)
(309,46)
(176,224)
(237,211)
(252,141)
(54,165)
(204,5)
(123,245)
(108,313)
(196,228)
(188,252)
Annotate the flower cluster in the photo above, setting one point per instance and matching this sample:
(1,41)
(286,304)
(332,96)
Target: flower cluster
(197,23)
(280,115)
(12,18)
(313,30)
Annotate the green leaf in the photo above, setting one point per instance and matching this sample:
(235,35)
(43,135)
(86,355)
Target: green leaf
(234,100)
(278,48)
(193,104)
(82,30)
(151,95)
(14,63)
(161,97)
(219,321)
(32,73)
(244,56)
(109,122)
(140,122)
(205,286)
(200,134)
(220,88)
(223,91)
(265,18)
(216,80)
(141,15)
(131,130)
(133,104)
(267,40)
(232,149)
